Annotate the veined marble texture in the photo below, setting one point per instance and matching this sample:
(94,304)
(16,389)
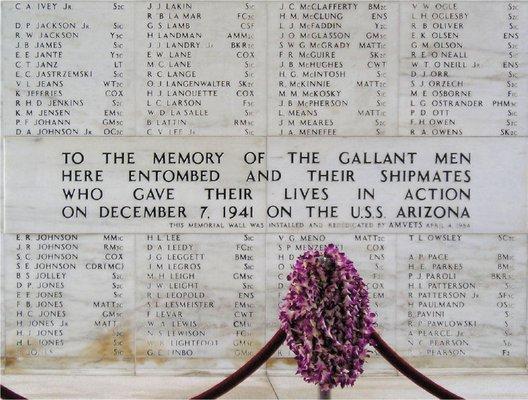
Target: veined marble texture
(164,163)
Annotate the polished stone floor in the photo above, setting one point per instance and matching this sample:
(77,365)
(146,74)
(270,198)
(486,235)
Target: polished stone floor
(260,387)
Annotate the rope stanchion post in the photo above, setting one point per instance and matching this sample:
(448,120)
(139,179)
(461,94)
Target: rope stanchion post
(324,394)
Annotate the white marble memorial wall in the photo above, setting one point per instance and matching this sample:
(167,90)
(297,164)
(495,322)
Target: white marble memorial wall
(164,163)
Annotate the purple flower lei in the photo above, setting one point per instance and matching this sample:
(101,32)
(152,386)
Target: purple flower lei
(327,318)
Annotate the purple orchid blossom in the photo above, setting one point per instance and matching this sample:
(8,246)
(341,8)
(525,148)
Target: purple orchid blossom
(327,318)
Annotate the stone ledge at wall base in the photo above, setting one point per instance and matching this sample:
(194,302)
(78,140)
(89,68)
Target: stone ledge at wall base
(481,386)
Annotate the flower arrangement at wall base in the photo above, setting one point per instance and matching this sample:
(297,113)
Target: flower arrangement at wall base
(327,323)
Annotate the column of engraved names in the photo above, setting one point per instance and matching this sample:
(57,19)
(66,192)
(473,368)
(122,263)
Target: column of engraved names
(71,297)
(514,101)
(199,298)
(332,68)
(509,272)
(202,68)
(457,78)
(465,298)
(51,87)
